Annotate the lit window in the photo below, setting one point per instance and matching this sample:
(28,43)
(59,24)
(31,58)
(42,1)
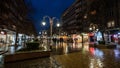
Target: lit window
(112,23)
(109,24)
(93,12)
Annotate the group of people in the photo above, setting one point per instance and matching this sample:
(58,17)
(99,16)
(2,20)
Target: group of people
(58,40)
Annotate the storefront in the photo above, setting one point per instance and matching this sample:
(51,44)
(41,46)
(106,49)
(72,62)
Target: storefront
(3,37)
(80,38)
(112,36)
(85,37)
(115,38)
(77,38)
(10,37)
(22,38)
(95,37)
(98,36)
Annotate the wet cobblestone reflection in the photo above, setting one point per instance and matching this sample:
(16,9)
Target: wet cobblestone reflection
(74,55)
(90,57)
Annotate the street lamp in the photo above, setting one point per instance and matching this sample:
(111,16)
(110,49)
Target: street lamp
(58,24)
(51,19)
(43,23)
(90,28)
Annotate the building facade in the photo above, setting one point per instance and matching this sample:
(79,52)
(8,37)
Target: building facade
(92,16)
(14,25)
(75,17)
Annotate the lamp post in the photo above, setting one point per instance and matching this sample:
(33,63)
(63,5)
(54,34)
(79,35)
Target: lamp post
(58,25)
(51,19)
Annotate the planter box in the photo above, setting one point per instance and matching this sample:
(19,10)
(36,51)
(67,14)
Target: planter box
(25,55)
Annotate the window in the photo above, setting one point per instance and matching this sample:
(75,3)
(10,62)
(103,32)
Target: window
(111,24)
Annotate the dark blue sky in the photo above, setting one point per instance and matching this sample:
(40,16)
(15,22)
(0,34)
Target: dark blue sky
(52,8)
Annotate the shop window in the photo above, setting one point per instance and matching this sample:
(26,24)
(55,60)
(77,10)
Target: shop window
(109,24)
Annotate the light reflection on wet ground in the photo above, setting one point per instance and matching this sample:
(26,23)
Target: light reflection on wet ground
(83,56)
(74,55)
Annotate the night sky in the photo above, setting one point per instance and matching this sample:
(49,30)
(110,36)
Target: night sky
(52,8)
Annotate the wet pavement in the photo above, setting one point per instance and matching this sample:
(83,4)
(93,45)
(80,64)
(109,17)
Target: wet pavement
(73,55)
(89,57)
(34,63)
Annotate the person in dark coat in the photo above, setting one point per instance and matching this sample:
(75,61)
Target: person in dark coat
(61,39)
